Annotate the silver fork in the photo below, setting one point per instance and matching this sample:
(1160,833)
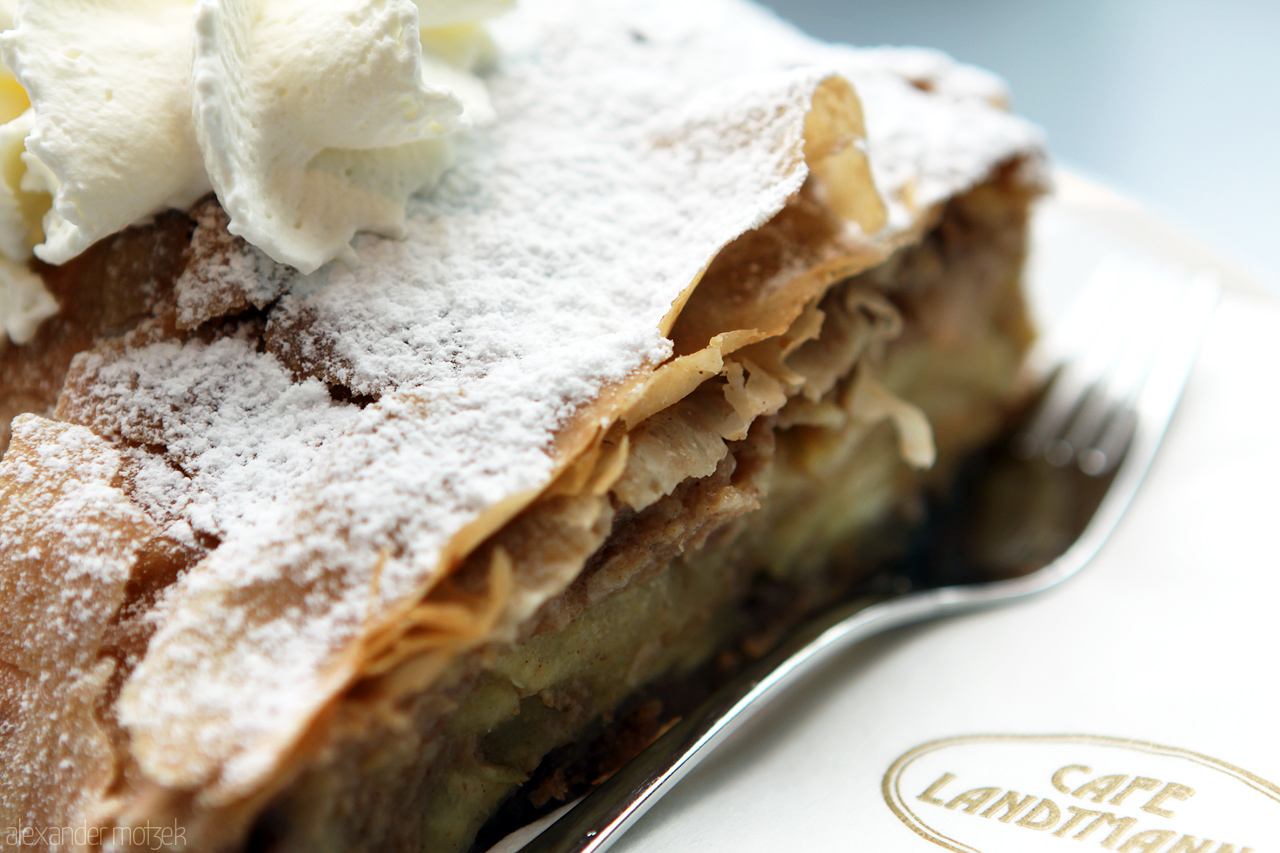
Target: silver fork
(1117,366)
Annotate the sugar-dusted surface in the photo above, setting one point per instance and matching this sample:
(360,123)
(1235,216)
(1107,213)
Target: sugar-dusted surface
(54,748)
(226,274)
(633,141)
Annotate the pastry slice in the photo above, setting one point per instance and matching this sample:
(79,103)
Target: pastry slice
(359,559)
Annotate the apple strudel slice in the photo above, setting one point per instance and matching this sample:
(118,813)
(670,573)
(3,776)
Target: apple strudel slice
(360,558)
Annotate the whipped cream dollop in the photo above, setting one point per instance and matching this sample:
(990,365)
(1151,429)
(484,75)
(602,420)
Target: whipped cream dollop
(24,301)
(310,119)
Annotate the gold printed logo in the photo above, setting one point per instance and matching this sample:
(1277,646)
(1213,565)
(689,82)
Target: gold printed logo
(1031,793)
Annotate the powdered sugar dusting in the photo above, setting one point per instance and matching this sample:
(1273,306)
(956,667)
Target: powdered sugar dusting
(535,276)
(231,419)
(227,273)
(59,505)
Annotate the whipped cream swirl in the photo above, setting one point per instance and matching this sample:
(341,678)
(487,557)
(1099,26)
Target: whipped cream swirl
(311,119)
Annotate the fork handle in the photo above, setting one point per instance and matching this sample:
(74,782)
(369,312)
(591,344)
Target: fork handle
(603,815)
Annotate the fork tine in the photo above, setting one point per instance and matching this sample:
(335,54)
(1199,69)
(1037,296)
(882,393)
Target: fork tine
(1089,418)
(1089,412)
(1073,357)
(1099,452)
(1172,362)
(1142,321)
(1151,381)
(1104,454)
